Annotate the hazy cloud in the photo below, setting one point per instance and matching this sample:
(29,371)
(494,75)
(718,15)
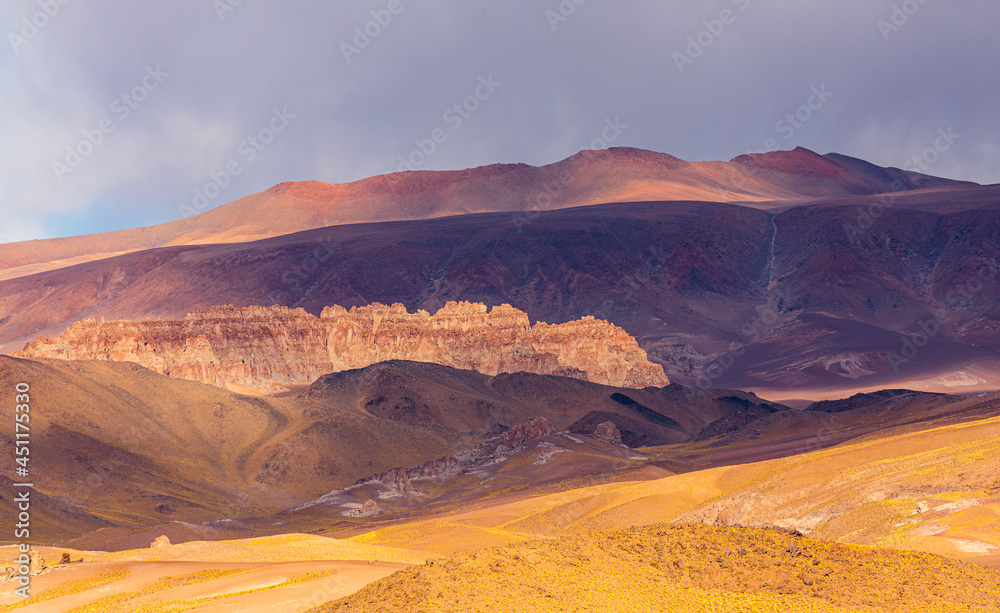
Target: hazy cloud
(365,80)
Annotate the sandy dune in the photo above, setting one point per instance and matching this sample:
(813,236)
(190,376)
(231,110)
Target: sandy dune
(289,586)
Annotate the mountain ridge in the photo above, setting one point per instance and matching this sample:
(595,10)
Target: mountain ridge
(830,306)
(586,178)
(273,349)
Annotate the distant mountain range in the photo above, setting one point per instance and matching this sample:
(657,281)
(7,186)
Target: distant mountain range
(787,271)
(589,177)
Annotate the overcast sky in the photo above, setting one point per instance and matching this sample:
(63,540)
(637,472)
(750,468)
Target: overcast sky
(114,112)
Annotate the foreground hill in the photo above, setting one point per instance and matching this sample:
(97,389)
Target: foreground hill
(913,471)
(589,177)
(682,569)
(720,295)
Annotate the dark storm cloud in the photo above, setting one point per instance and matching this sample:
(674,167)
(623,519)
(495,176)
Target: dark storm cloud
(112,106)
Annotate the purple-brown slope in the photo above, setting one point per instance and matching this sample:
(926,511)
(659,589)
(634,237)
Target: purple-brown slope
(808,297)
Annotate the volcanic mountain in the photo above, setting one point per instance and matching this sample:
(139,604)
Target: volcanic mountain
(822,297)
(589,177)
(810,280)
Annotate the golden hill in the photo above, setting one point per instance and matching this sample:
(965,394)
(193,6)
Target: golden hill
(683,568)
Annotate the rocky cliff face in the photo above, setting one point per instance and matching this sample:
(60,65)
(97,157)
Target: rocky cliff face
(270,349)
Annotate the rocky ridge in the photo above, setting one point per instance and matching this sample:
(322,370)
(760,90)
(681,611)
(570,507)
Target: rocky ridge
(271,349)
(537,432)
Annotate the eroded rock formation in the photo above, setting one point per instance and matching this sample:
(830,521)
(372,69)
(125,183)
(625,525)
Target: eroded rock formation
(161,541)
(270,349)
(535,427)
(608,432)
(398,482)
(448,466)
(38,565)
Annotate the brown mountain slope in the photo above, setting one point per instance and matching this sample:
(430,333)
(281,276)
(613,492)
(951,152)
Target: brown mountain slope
(806,298)
(468,504)
(589,177)
(123,446)
(630,261)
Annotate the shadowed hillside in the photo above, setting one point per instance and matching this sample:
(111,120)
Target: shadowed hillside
(720,295)
(123,446)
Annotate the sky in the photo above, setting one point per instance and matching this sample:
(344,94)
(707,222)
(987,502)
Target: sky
(117,114)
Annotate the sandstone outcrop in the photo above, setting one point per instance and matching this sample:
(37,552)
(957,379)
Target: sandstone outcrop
(535,427)
(271,349)
(161,541)
(399,483)
(38,565)
(369,508)
(608,432)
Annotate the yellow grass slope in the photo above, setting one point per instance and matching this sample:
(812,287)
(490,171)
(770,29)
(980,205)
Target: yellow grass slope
(934,490)
(280,548)
(683,568)
(291,572)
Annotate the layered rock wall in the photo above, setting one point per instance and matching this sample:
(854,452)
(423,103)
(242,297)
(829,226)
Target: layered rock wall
(270,349)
